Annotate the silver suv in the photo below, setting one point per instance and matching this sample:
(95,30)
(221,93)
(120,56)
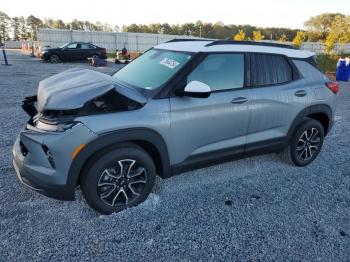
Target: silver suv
(179,106)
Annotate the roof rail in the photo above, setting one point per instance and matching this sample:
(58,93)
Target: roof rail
(232,42)
(187,39)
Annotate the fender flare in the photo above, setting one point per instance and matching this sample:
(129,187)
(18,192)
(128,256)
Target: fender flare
(111,138)
(322,108)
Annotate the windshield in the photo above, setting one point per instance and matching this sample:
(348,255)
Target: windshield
(153,68)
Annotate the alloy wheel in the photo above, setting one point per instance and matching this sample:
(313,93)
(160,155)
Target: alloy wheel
(54,59)
(308,144)
(121,184)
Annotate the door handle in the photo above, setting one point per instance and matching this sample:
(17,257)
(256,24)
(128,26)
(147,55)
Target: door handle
(300,93)
(239,100)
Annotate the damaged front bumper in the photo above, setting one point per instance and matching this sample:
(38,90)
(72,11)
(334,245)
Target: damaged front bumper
(42,159)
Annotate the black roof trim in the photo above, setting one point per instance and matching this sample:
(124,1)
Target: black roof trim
(187,40)
(231,42)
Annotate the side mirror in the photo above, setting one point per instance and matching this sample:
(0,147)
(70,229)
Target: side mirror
(197,89)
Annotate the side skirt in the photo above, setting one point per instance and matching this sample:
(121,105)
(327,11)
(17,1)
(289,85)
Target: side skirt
(229,154)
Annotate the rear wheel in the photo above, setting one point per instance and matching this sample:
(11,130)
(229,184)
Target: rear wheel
(305,144)
(119,179)
(54,59)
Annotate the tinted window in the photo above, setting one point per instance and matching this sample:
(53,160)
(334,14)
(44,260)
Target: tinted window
(92,46)
(220,71)
(269,70)
(72,46)
(85,46)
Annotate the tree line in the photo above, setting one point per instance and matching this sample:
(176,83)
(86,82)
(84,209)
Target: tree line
(21,28)
(329,28)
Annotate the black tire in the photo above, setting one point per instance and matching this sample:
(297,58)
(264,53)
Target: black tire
(54,59)
(113,182)
(117,61)
(305,143)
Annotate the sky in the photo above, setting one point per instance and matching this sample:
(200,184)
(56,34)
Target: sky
(263,13)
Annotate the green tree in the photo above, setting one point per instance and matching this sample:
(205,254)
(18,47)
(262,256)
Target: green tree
(77,25)
(4,27)
(283,38)
(240,36)
(320,25)
(98,26)
(34,24)
(23,28)
(299,39)
(59,24)
(257,36)
(16,28)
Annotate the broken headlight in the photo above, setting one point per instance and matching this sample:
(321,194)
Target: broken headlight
(58,127)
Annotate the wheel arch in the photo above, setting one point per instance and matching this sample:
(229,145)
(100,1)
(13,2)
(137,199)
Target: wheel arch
(322,113)
(149,140)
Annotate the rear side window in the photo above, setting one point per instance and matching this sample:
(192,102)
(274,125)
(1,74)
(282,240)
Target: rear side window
(269,70)
(85,46)
(220,71)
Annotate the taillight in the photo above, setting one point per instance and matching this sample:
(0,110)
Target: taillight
(334,87)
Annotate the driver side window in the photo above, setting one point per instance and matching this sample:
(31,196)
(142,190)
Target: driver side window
(72,46)
(220,71)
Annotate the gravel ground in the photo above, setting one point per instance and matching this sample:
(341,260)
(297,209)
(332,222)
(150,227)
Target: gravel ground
(256,209)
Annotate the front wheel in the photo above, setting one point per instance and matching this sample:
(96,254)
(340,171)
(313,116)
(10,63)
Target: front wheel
(305,144)
(54,59)
(119,179)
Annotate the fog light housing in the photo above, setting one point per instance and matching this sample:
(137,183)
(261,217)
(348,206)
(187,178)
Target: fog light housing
(49,155)
(23,149)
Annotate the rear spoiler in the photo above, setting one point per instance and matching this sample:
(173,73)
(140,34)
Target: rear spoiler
(28,105)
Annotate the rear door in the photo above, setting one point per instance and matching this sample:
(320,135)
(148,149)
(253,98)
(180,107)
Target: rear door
(204,126)
(279,94)
(86,50)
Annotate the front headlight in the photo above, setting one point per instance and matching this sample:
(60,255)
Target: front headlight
(59,127)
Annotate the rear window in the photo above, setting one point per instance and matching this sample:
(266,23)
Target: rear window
(269,70)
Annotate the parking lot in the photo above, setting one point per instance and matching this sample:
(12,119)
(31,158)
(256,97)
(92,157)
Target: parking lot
(256,209)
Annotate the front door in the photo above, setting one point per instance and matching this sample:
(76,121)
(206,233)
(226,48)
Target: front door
(202,126)
(71,52)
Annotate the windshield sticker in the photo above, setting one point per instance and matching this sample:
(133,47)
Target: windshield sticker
(169,63)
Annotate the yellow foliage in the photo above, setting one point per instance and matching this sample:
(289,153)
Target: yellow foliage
(257,36)
(330,43)
(299,39)
(240,36)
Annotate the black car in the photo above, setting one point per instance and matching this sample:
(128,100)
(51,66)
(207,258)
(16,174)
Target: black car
(73,51)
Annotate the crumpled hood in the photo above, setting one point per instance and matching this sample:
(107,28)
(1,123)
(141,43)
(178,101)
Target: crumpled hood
(71,89)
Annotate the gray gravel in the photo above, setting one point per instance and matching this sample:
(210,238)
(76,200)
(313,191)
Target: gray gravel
(253,209)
